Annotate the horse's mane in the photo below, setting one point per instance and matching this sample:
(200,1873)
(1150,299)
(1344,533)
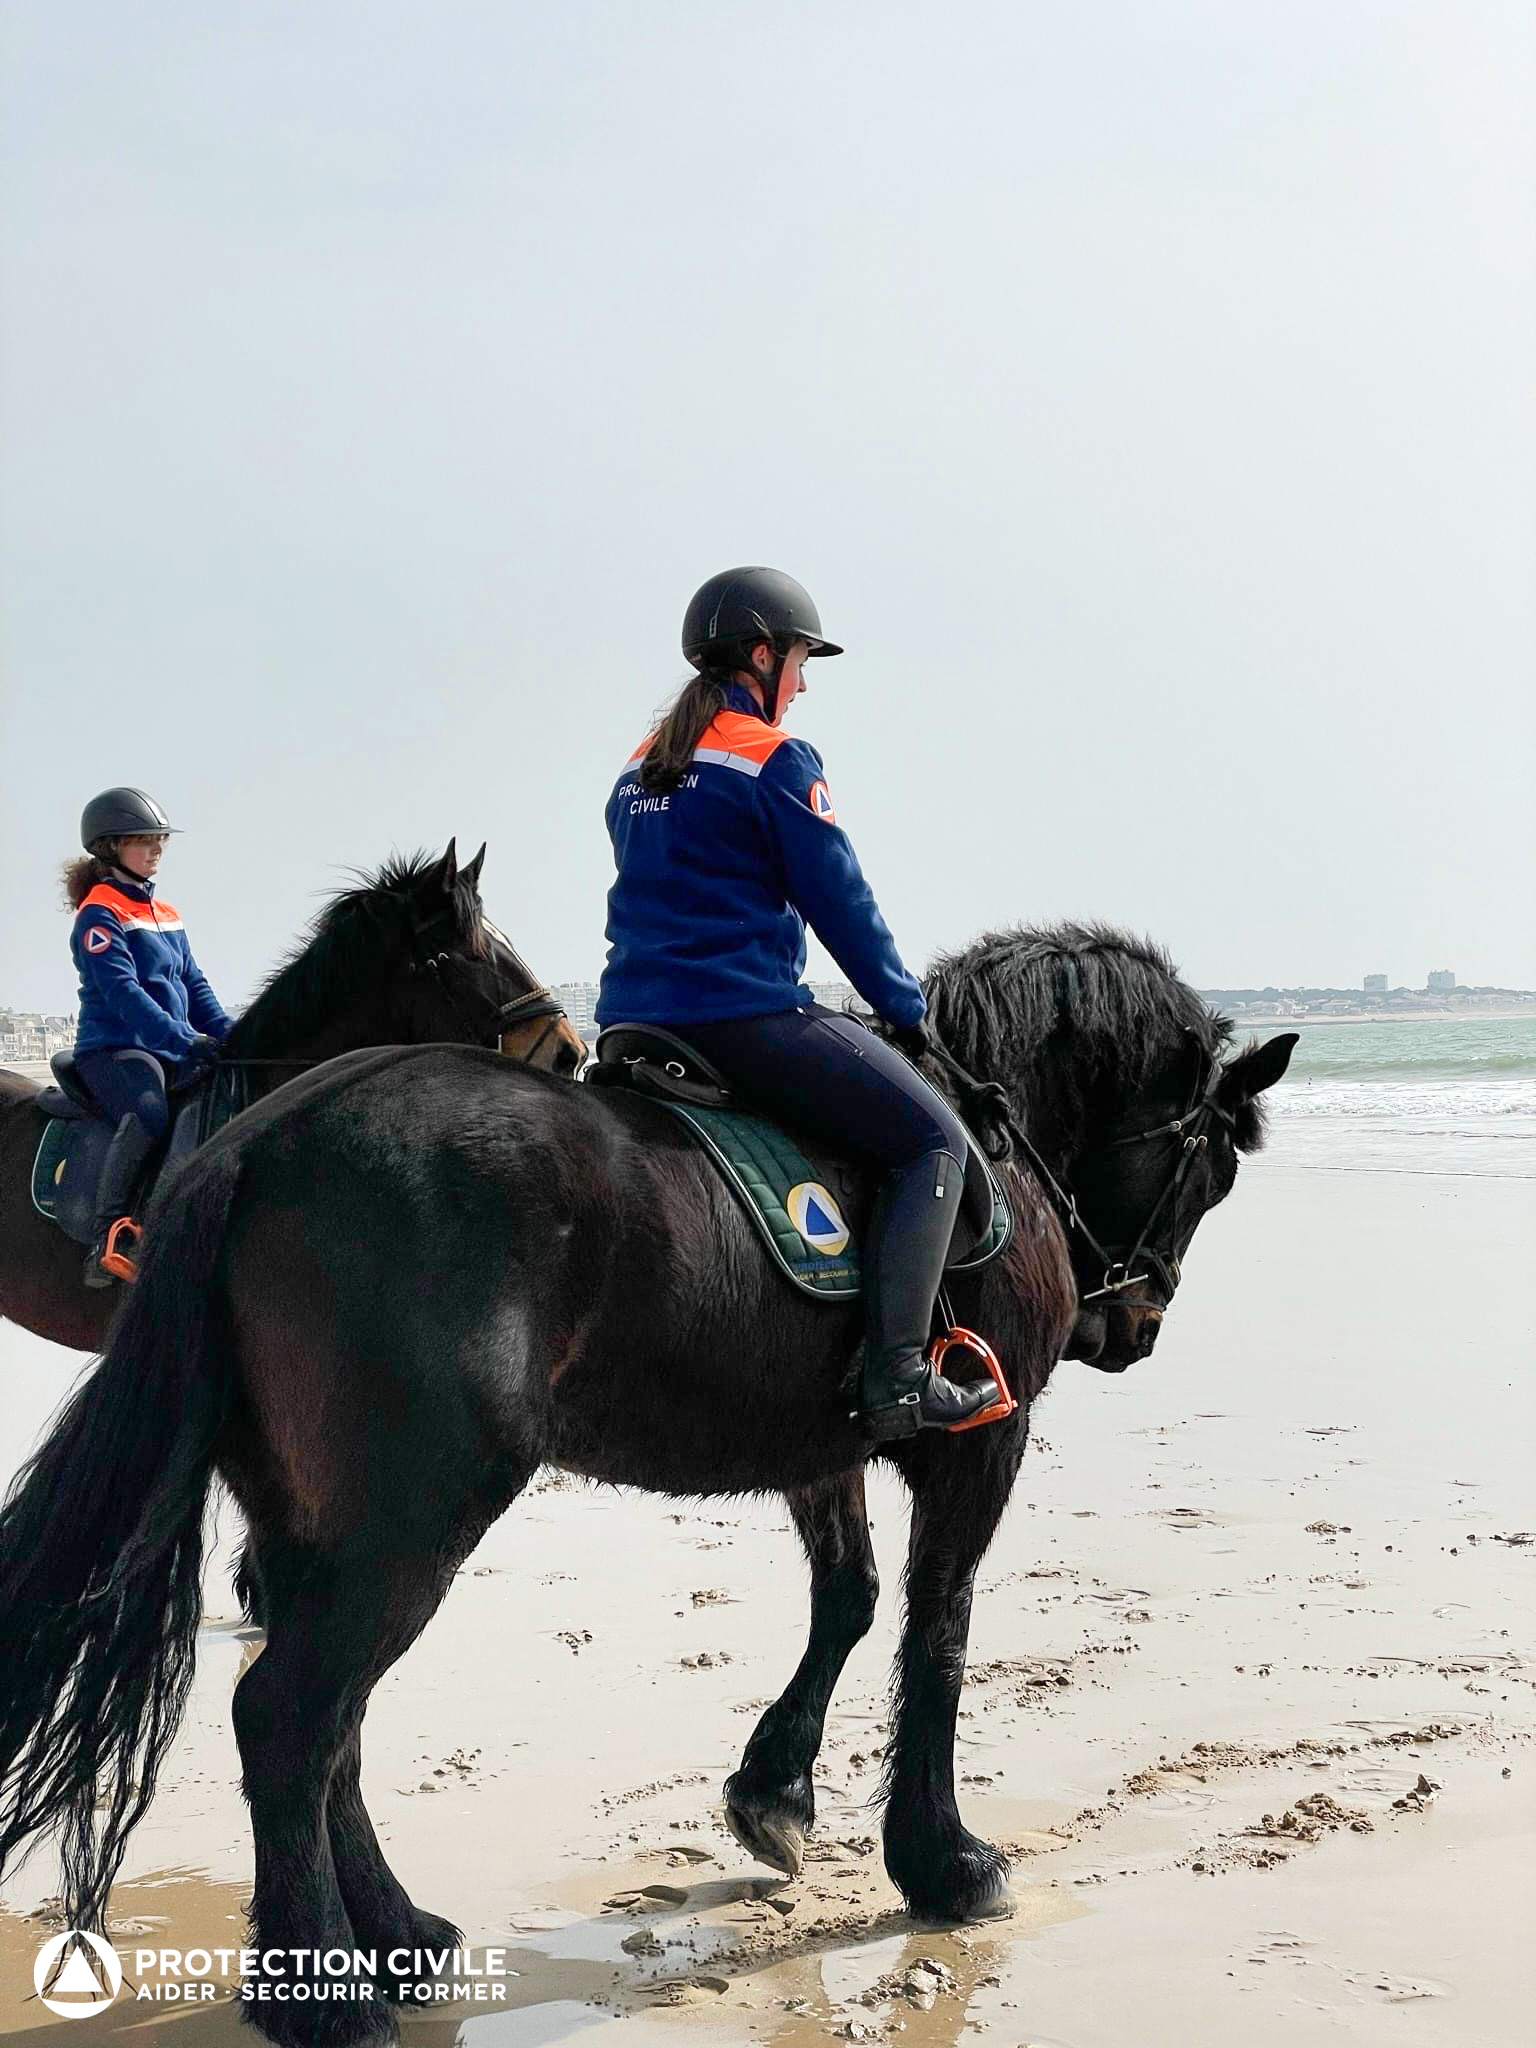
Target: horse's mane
(1076,1019)
(358,931)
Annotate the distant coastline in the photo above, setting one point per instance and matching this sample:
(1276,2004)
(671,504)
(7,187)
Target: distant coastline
(1497,1014)
(1374,1006)
(31,1037)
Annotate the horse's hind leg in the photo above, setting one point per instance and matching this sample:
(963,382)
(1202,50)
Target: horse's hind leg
(382,1915)
(336,1621)
(958,1496)
(770,1804)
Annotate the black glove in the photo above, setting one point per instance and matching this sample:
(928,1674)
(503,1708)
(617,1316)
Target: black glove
(204,1051)
(912,1039)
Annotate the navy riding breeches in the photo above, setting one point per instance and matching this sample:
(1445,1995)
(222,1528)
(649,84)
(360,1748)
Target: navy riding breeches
(823,1071)
(128,1082)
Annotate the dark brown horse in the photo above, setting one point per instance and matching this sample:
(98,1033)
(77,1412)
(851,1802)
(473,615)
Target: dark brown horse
(380,1299)
(405,959)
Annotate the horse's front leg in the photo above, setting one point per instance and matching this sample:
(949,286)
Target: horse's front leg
(959,1491)
(770,1804)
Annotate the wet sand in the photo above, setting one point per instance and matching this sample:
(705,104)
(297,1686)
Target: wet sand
(1251,1698)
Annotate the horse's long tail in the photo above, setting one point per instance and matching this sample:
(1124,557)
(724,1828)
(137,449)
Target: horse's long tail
(101,1548)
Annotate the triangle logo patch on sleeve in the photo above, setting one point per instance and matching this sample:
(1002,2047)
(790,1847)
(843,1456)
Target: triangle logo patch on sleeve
(98,939)
(820,801)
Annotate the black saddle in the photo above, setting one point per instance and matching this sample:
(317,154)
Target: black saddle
(656,1062)
(69,1097)
(77,1133)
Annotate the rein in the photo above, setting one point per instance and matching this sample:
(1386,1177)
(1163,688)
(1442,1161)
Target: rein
(299,1066)
(990,1099)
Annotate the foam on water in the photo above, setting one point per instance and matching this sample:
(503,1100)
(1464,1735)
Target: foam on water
(1454,1095)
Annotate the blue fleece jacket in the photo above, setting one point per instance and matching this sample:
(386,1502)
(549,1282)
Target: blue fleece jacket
(718,880)
(139,984)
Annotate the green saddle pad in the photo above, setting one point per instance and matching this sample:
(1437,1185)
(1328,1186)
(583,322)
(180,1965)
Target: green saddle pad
(50,1171)
(795,1213)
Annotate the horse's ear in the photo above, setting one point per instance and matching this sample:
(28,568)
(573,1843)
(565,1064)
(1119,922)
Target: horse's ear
(1253,1071)
(470,872)
(446,873)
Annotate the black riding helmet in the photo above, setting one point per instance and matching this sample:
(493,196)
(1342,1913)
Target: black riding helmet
(741,606)
(120,814)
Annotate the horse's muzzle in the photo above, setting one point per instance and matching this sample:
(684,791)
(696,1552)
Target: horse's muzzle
(1112,1336)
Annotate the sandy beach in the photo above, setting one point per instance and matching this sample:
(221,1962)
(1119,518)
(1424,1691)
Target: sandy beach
(1251,1700)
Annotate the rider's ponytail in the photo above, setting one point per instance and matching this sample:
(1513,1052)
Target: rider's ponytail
(700,700)
(81,875)
(697,703)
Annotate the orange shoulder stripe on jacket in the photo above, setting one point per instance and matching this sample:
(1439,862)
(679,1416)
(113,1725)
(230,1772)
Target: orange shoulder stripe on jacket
(128,910)
(735,740)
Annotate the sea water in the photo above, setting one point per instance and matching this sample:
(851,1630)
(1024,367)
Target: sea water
(1446,1095)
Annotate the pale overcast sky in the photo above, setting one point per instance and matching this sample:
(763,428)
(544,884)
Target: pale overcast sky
(1144,391)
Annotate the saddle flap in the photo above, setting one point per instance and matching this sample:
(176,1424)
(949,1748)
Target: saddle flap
(70,1083)
(660,1064)
(53,1102)
(985,1223)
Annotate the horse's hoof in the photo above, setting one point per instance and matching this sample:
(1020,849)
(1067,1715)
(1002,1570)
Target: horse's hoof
(998,1904)
(772,1838)
(961,1884)
(425,1932)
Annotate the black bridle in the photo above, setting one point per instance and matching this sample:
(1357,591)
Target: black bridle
(1163,1266)
(535,1001)
(991,1100)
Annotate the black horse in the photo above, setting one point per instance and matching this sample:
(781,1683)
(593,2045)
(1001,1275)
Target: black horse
(404,958)
(376,1303)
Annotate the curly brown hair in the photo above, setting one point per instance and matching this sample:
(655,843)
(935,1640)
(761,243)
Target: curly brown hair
(81,875)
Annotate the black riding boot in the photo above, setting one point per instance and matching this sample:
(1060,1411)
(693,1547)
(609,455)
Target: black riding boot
(120,1170)
(908,1242)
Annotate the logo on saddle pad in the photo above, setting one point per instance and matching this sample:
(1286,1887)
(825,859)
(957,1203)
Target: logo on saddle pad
(818,1219)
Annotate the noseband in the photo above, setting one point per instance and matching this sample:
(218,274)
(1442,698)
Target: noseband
(1163,1266)
(534,1003)
(1118,1262)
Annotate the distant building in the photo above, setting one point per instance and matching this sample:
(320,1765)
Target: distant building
(578,999)
(835,995)
(1375,984)
(1442,982)
(29,1035)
